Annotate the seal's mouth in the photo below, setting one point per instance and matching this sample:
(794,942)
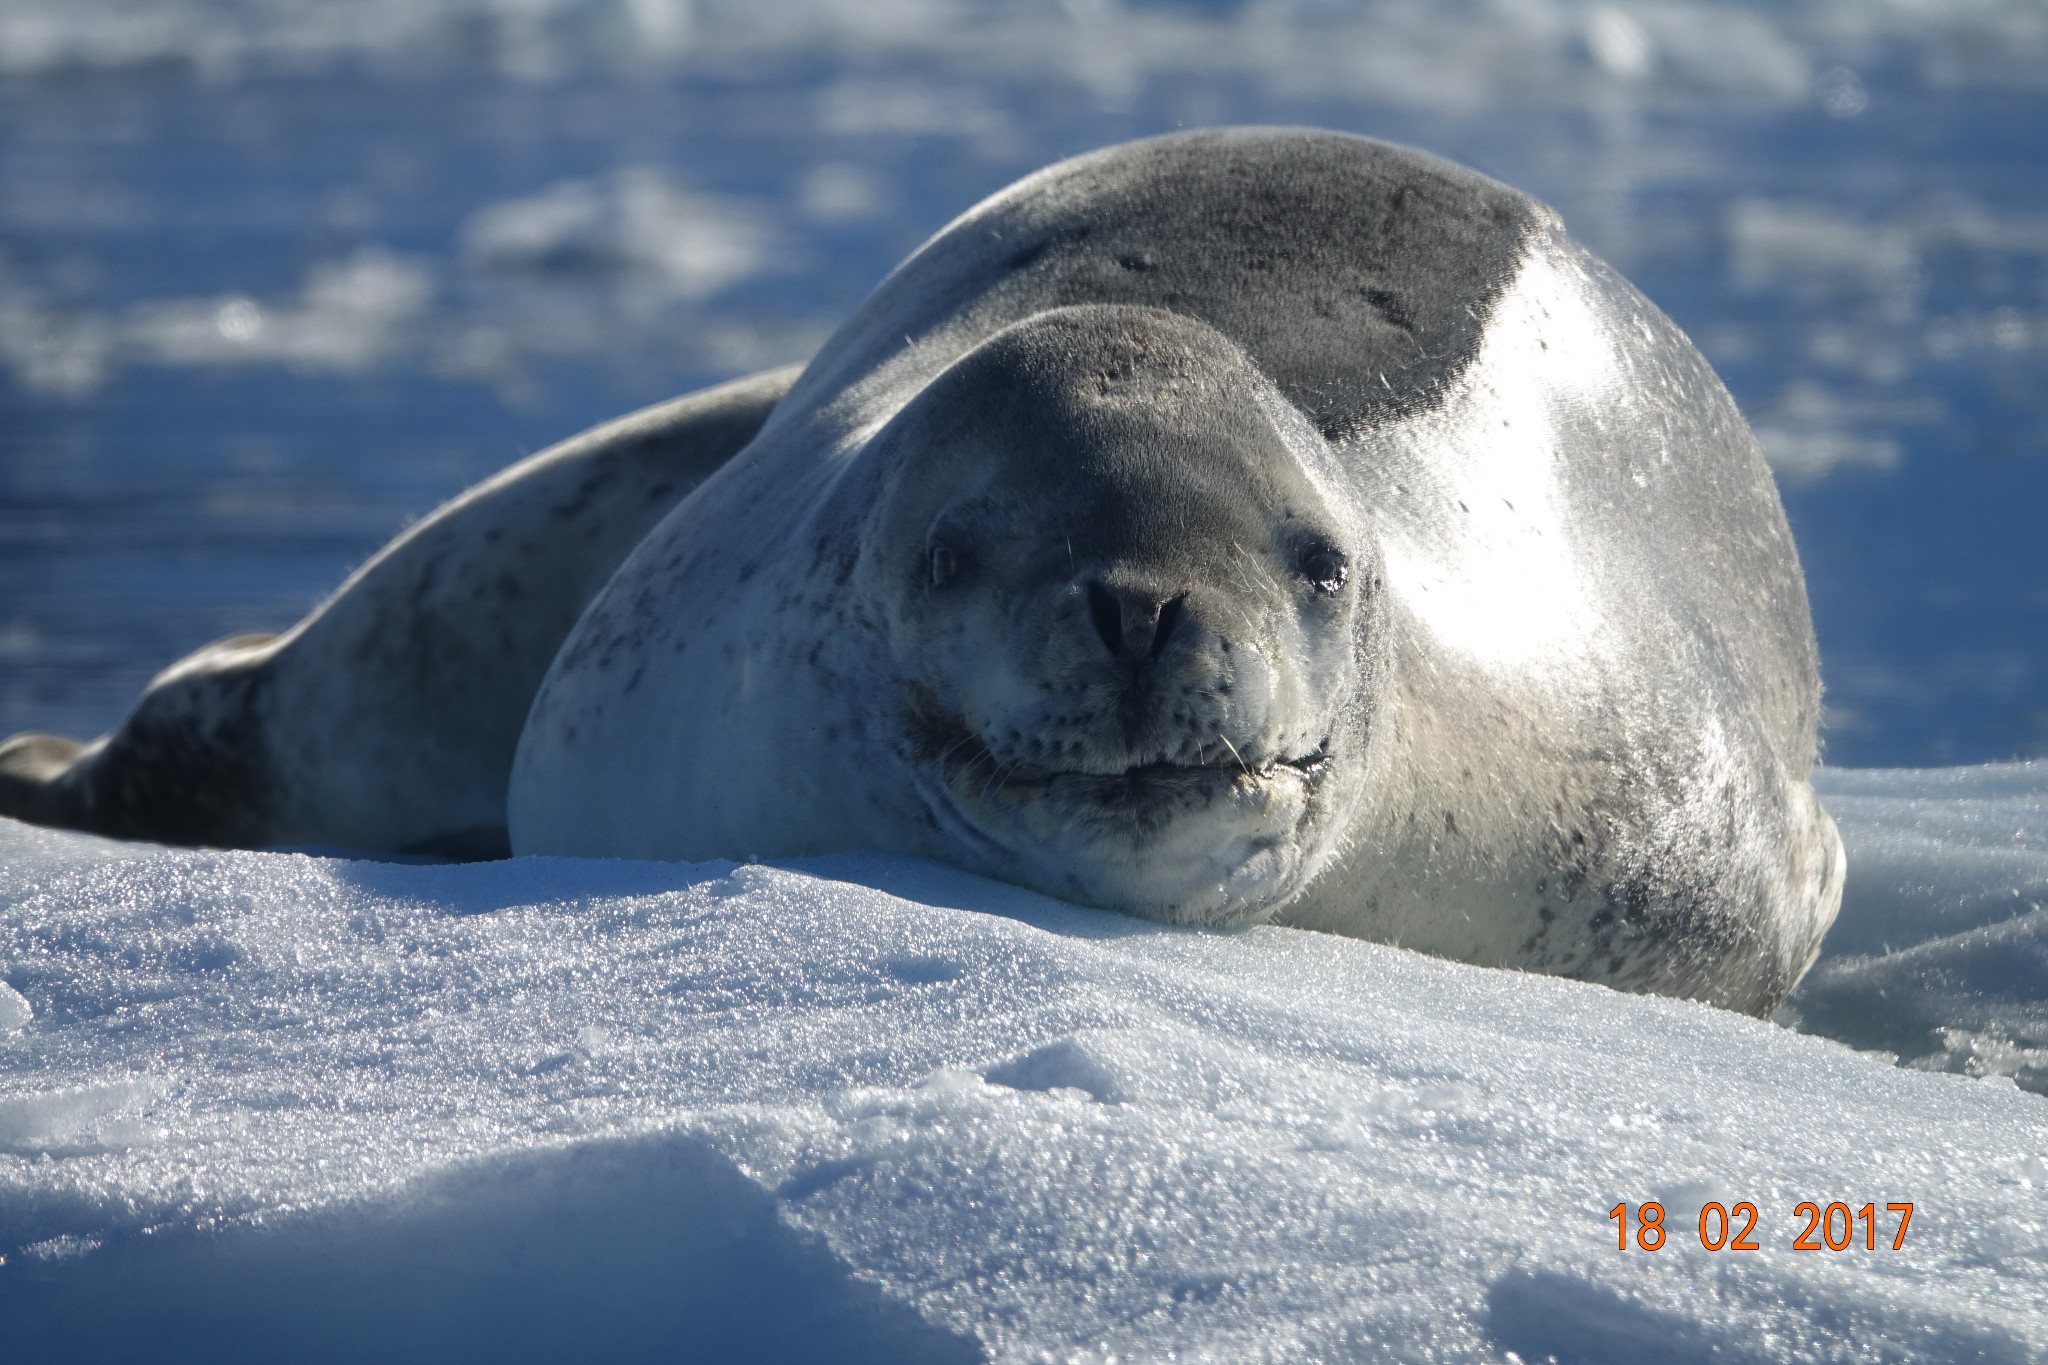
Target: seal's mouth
(1223,787)
(1204,837)
(970,767)
(1232,768)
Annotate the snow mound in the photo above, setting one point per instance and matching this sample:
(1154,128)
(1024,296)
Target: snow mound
(866,1108)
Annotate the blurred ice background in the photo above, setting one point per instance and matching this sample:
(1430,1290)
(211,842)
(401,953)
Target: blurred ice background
(277,275)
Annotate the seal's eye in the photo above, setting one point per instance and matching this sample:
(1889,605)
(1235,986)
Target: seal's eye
(945,564)
(1324,566)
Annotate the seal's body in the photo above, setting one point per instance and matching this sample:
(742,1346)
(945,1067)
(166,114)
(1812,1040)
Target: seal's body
(1235,525)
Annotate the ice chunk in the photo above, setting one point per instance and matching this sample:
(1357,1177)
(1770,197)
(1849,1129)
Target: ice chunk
(15,1012)
(41,1122)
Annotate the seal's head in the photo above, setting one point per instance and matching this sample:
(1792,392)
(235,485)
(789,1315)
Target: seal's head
(1131,628)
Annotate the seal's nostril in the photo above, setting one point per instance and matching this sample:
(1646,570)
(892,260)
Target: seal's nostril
(1108,615)
(1169,619)
(1134,626)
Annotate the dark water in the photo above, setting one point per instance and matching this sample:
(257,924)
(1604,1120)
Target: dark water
(254,318)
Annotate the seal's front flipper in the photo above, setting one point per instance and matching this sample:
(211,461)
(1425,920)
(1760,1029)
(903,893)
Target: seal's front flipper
(32,768)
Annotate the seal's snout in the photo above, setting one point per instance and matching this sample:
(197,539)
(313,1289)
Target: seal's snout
(1141,674)
(1147,695)
(1135,626)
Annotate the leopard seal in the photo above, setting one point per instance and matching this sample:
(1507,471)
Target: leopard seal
(1238,525)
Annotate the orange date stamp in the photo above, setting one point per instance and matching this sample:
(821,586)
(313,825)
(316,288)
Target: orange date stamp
(1724,1227)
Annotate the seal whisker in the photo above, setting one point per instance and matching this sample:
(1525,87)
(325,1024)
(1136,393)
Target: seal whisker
(985,756)
(996,778)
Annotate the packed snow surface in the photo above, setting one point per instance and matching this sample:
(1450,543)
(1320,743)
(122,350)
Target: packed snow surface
(287,1107)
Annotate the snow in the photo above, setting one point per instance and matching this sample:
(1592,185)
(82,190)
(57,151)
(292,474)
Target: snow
(1941,951)
(267,1105)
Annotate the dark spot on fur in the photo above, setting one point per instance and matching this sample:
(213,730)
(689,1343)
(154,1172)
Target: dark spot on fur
(1389,308)
(1025,256)
(574,507)
(1030,254)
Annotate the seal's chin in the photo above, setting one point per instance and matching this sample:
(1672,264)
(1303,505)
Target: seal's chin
(1188,843)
